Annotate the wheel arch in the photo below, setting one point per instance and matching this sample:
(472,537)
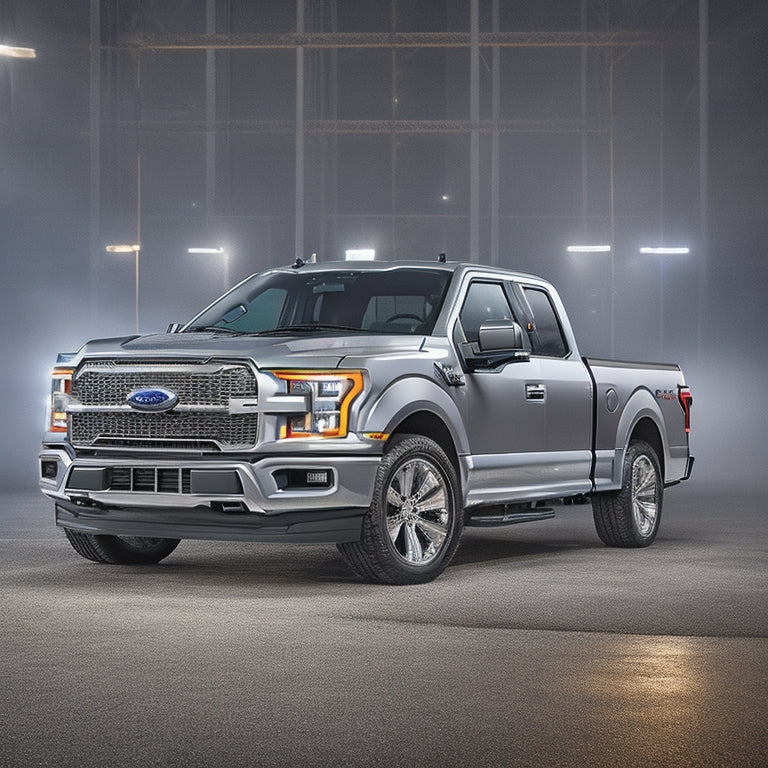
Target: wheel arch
(647,430)
(641,419)
(429,424)
(417,405)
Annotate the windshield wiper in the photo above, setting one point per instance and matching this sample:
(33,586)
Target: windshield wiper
(215,328)
(309,328)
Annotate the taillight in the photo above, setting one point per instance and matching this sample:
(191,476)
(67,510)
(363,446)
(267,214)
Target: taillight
(686,401)
(61,387)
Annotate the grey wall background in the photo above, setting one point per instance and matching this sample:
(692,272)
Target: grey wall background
(568,121)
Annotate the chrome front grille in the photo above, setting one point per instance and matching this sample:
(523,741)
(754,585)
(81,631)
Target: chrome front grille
(201,421)
(131,428)
(202,384)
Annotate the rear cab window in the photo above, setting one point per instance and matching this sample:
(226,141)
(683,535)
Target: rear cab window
(544,329)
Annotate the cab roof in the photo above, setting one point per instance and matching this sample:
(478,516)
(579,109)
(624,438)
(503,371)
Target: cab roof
(380,266)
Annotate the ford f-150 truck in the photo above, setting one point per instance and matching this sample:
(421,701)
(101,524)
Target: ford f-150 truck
(379,406)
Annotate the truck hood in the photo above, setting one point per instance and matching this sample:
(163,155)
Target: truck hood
(324,351)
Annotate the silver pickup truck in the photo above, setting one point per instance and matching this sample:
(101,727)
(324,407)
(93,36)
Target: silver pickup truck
(379,406)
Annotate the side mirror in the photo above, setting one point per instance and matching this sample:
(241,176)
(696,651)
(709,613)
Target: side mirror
(173,328)
(497,335)
(499,342)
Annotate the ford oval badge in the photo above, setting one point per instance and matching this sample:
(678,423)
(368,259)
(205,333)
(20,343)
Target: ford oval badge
(152,399)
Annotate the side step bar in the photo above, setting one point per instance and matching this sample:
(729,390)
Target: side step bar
(508,515)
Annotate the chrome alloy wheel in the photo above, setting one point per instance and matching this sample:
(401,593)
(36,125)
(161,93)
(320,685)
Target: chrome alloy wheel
(417,511)
(645,495)
(413,526)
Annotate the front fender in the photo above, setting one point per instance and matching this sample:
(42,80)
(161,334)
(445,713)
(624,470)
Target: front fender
(415,394)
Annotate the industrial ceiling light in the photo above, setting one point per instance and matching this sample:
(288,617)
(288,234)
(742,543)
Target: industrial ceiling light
(664,250)
(17,53)
(123,248)
(588,249)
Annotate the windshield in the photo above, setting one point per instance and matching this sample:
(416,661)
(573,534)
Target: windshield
(406,300)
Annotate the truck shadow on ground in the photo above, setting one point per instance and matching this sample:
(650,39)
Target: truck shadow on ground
(322,564)
(209,567)
(478,549)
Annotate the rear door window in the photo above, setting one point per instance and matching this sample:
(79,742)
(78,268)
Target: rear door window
(545,332)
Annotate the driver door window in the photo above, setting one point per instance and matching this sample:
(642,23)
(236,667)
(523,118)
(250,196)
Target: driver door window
(484,301)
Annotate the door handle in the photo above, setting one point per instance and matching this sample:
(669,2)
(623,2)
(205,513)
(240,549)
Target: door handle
(536,392)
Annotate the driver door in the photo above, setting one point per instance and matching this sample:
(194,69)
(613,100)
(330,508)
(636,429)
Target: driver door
(509,411)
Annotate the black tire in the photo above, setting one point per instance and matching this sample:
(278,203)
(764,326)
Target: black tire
(120,550)
(414,523)
(630,517)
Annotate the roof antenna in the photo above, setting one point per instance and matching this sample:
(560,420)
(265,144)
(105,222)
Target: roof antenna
(298,264)
(441,258)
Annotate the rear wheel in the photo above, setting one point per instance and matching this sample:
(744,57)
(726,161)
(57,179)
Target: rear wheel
(414,523)
(631,516)
(120,550)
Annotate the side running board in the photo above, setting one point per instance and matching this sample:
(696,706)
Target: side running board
(509,514)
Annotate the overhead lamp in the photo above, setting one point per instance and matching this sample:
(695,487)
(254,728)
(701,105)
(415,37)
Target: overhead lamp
(360,254)
(17,53)
(588,249)
(665,250)
(123,248)
(205,250)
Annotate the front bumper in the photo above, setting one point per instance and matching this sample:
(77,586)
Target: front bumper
(274,498)
(203,522)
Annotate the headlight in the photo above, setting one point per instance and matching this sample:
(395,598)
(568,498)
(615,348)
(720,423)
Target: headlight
(329,395)
(61,386)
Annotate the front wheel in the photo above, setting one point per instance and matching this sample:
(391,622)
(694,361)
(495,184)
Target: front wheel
(414,523)
(120,550)
(630,517)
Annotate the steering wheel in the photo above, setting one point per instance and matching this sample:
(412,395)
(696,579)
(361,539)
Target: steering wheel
(404,316)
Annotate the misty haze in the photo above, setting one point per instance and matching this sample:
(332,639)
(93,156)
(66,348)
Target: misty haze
(155,153)
(573,144)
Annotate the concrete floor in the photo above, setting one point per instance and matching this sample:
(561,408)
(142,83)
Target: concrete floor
(537,647)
